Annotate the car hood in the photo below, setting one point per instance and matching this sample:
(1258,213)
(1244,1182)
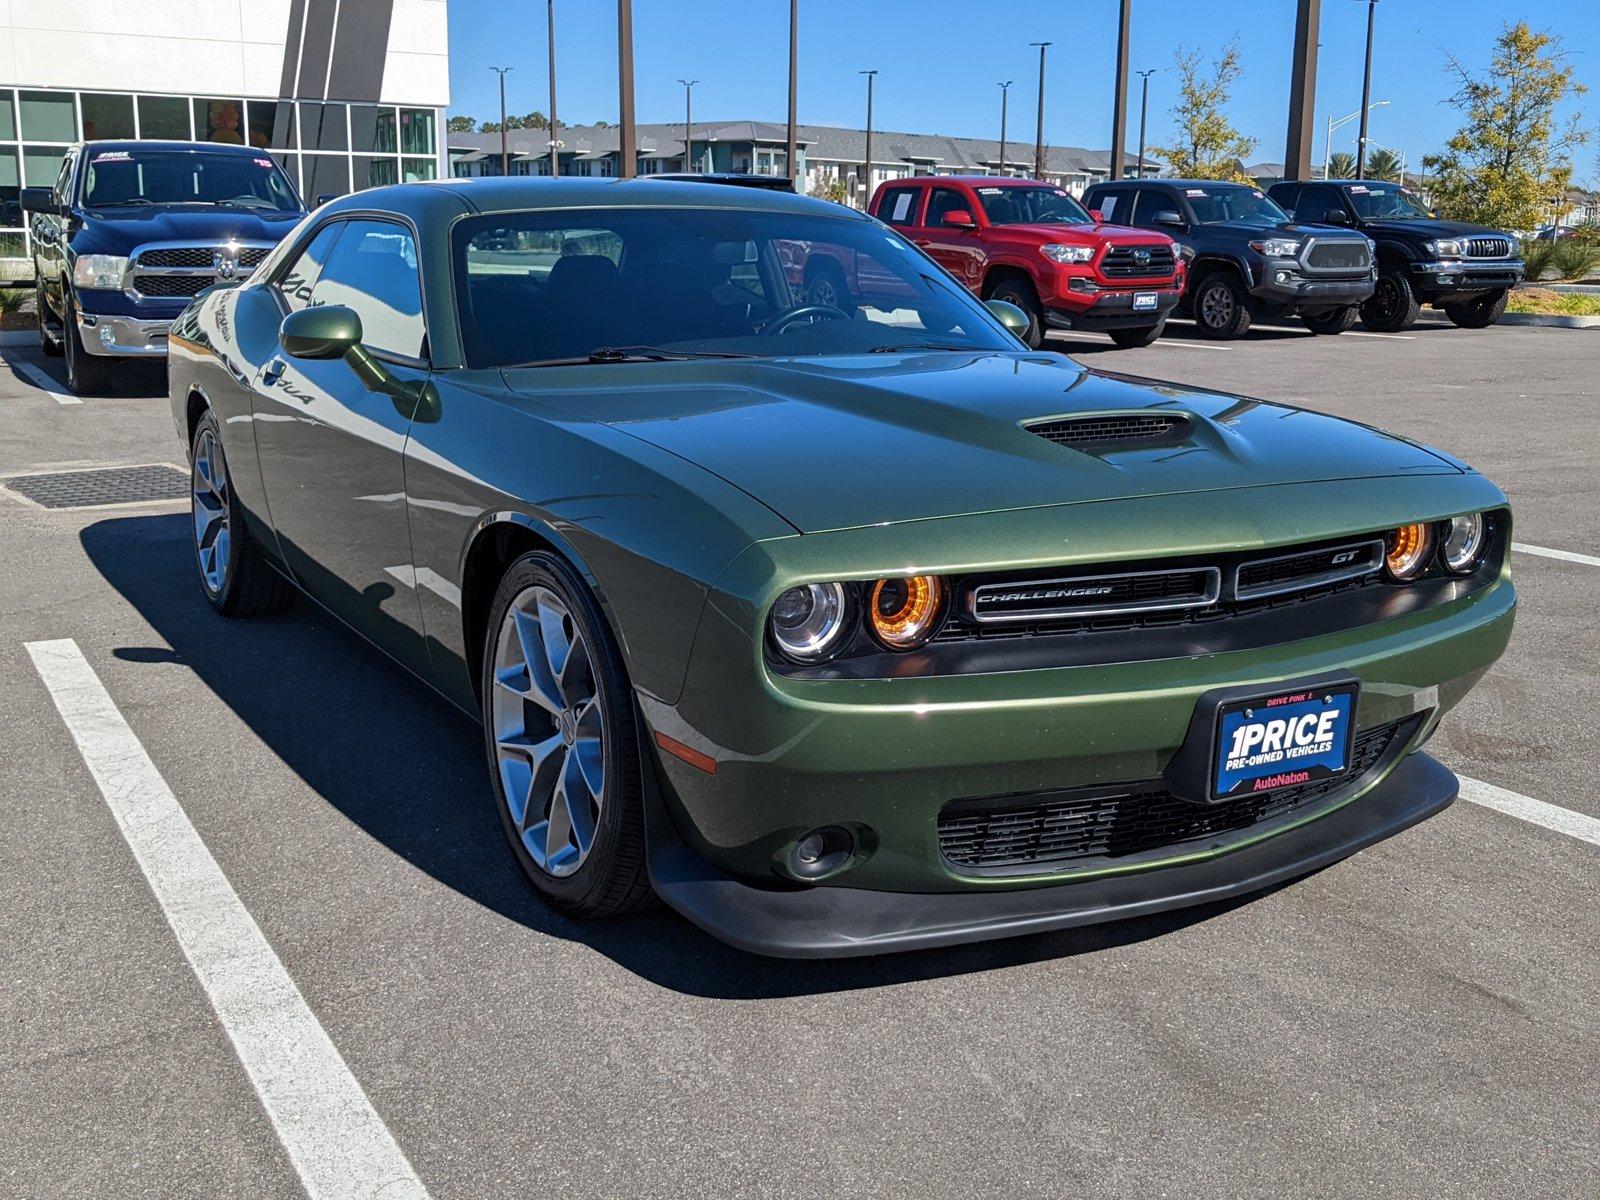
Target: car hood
(837,442)
(1085,235)
(1427,230)
(118,230)
(1300,229)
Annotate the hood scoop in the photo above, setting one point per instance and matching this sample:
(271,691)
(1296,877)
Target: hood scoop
(1115,431)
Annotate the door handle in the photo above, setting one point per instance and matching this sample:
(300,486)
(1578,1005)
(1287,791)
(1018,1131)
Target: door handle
(274,369)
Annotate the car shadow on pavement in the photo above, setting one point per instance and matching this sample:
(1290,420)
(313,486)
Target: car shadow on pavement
(407,767)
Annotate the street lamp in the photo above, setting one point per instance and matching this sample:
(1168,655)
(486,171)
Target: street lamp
(1366,93)
(1005,95)
(1327,147)
(555,134)
(688,118)
(792,144)
(1038,138)
(627,134)
(869,75)
(505,155)
(1144,111)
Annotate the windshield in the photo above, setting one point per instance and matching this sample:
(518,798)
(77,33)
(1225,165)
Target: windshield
(1386,202)
(1031,206)
(1214,204)
(620,284)
(186,177)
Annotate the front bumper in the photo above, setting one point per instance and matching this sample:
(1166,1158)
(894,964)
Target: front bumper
(1468,275)
(123,337)
(1283,284)
(1107,309)
(829,922)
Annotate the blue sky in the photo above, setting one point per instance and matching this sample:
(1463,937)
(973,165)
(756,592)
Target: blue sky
(939,61)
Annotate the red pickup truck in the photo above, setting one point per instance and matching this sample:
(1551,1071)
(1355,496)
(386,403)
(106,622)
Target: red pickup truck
(1032,244)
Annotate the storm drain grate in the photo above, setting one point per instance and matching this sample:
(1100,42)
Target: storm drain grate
(106,485)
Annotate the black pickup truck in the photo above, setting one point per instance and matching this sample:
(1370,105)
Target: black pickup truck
(132,231)
(1467,270)
(1247,257)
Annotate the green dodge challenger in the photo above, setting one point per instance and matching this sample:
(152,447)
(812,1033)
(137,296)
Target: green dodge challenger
(790,587)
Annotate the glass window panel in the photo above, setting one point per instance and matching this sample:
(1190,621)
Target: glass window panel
(107,116)
(323,174)
(219,121)
(416,131)
(49,117)
(10,185)
(372,129)
(164,117)
(322,127)
(372,171)
(271,123)
(8,115)
(413,169)
(373,269)
(296,282)
(291,167)
(41,165)
(13,245)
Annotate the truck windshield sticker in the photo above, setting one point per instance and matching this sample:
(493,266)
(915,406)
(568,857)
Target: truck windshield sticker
(112,156)
(902,206)
(263,162)
(991,191)
(1195,193)
(1356,187)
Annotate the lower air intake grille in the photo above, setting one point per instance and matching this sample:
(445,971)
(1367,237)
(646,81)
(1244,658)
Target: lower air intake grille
(976,836)
(1113,428)
(172,285)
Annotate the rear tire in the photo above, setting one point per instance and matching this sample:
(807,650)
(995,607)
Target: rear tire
(51,346)
(87,374)
(1393,306)
(234,573)
(1021,292)
(560,734)
(1132,339)
(827,286)
(1480,312)
(1333,322)
(1222,307)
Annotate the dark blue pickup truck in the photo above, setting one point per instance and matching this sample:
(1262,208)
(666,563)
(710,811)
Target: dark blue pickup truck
(132,231)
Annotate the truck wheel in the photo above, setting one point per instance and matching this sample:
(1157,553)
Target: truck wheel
(1480,312)
(1131,339)
(87,374)
(1393,306)
(1021,293)
(47,342)
(1221,306)
(827,286)
(1335,320)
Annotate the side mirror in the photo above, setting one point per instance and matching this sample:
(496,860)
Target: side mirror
(324,198)
(1169,216)
(333,331)
(959,218)
(38,200)
(1336,216)
(1099,217)
(1009,315)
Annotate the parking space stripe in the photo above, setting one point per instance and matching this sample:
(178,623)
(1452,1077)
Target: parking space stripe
(338,1144)
(1526,808)
(1389,337)
(41,380)
(1189,345)
(1587,560)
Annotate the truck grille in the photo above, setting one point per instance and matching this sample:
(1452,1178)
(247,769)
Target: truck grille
(197,256)
(1488,247)
(182,271)
(1137,262)
(172,285)
(1000,834)
(1349,255)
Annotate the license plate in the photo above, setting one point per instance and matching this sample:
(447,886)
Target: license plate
(1145,301)
(1283,739)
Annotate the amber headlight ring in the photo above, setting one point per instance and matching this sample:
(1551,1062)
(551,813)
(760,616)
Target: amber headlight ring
(904,612)
(1408,552)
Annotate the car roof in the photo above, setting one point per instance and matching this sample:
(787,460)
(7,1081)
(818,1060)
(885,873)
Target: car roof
(521,193)
(131,144)
(1183,183)
(973,180)
(776,183)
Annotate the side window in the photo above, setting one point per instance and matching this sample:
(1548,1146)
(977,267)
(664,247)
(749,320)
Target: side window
(1287,196)
(295,284)
(941,201)
(1147,202)
(1110,205)
(62,191)
(373,269)
(899,206)
(1315,203)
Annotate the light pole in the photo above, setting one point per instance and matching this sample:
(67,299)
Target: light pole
(505,155)
(688,119)
(627,135)
(1144,111)
(1038,137)
(1119,109)
(555,132)
(792,145)
(1005,95)
(1366,94)
(869,75)
(1327,146)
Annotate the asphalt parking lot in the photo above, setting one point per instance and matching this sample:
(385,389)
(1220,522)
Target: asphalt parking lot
(1418,1021)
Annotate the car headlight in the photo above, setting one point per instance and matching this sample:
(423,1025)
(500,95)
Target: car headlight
(103,271)
(904,612)
(1406,551)
(1056,252)
(807,623)
(1465,541)
(1185,252)
(1447,248)
(1276,247)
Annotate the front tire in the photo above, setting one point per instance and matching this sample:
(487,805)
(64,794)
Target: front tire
(1393,306)
(1334,321)
(1222,307)
(87,374)
(560,734)
(1480,312)
(1132,339)
(1022,293)
(234,572)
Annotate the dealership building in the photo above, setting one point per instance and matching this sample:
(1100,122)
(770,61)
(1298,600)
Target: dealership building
(345,94)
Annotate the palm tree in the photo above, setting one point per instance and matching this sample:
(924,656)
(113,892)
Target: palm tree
(1384,163)
(1342,165)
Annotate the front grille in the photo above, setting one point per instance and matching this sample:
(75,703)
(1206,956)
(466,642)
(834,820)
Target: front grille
(1113,428)
(198,257)
(172,285)
(1339,256)
(1094,595)
(1307,568)
(1488,247)
(978,836)
(1137,262)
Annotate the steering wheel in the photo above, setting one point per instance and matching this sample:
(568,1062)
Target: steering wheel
(788,317)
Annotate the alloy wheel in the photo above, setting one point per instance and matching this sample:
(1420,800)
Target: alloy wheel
(1386,299)
(1216,306)
(549,730)
(208,493)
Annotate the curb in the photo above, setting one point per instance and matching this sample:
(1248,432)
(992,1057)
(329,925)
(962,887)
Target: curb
(1551,322)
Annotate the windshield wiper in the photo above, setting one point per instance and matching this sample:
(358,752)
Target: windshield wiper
(120,203)
(623,354)
(904,347)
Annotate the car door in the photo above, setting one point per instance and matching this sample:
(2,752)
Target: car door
(956,249)
(49,239)
(332,452)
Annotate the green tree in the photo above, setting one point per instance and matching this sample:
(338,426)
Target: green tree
(1511,156)
(1207,146)
(1383,163)
(1342,165)
(461,124)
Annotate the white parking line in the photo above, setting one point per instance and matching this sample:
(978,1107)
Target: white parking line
(41,380)
(1526,808)
(1587,560)
(1189,345)
(1392,337)
(338,1144)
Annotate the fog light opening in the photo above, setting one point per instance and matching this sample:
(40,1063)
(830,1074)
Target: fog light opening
(821,852)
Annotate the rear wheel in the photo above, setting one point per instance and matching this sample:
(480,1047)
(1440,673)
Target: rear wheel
(1021,292)
(87,374)
(559,730)
(48,342)
(1480,312)
(233,570)
(1335,320)
(1221,306)
(1393,305)
(1129,339)
(827,286)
